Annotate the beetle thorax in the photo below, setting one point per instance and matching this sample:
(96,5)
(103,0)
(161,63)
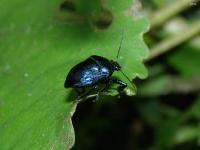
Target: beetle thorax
(115,65)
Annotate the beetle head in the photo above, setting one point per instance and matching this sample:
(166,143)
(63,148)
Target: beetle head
(115,65)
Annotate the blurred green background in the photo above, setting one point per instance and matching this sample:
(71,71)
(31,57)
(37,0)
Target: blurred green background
(165,114)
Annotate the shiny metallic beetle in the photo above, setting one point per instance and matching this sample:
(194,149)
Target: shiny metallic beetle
(92,72)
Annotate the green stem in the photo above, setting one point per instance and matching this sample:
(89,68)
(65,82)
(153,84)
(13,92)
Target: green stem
(171,42)
(168,12)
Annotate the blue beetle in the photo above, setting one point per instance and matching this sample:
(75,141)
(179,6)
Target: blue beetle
(93,71)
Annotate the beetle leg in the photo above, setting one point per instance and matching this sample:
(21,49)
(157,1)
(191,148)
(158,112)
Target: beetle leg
(88,92)
(107,85)
(97,97)
(79,91)
(122,85)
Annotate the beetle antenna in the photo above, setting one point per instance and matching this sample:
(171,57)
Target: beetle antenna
(122,38)
(125,76)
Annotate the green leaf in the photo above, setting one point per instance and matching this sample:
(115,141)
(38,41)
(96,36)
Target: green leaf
(165,132)
(156,86)
(38,49)
(185,133)
(186,61)
(189,130)
(194,113)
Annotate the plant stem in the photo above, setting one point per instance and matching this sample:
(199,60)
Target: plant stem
(171,42)
(161,16)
